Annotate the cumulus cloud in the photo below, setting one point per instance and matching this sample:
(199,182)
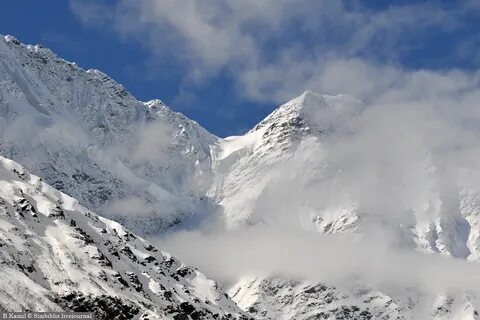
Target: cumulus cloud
(276,49)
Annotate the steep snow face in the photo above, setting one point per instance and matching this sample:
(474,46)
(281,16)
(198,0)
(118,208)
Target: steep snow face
(82,132)
(57,255)
(285,148)
(287,171)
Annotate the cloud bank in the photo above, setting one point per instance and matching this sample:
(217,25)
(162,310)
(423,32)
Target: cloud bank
(276,49)
(263,251)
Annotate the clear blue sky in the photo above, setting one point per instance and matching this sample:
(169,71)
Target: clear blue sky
(228,64)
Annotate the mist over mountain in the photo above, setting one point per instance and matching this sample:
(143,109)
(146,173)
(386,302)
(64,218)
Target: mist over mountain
(329,208)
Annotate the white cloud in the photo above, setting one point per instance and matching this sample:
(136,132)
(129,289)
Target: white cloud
(276,49)
(334,260)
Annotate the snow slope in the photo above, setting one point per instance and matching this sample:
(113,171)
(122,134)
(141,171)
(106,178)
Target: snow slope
(285,172)
(89,137)
(58,255)
(154,170)
(277,152)
(276,298)
(293,155)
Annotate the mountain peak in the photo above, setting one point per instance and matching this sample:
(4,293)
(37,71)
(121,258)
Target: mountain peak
(11,39)
(155,103)
(92,138)
(312,111)
(311,99)
(309,94)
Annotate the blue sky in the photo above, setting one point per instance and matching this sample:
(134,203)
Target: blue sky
(228,64)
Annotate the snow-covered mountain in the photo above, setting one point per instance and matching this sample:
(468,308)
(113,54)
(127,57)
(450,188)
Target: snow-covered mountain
(276,298)
(57,255)
(296,154)
(291,170)
(153,170)
(88,137)
(254,169)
